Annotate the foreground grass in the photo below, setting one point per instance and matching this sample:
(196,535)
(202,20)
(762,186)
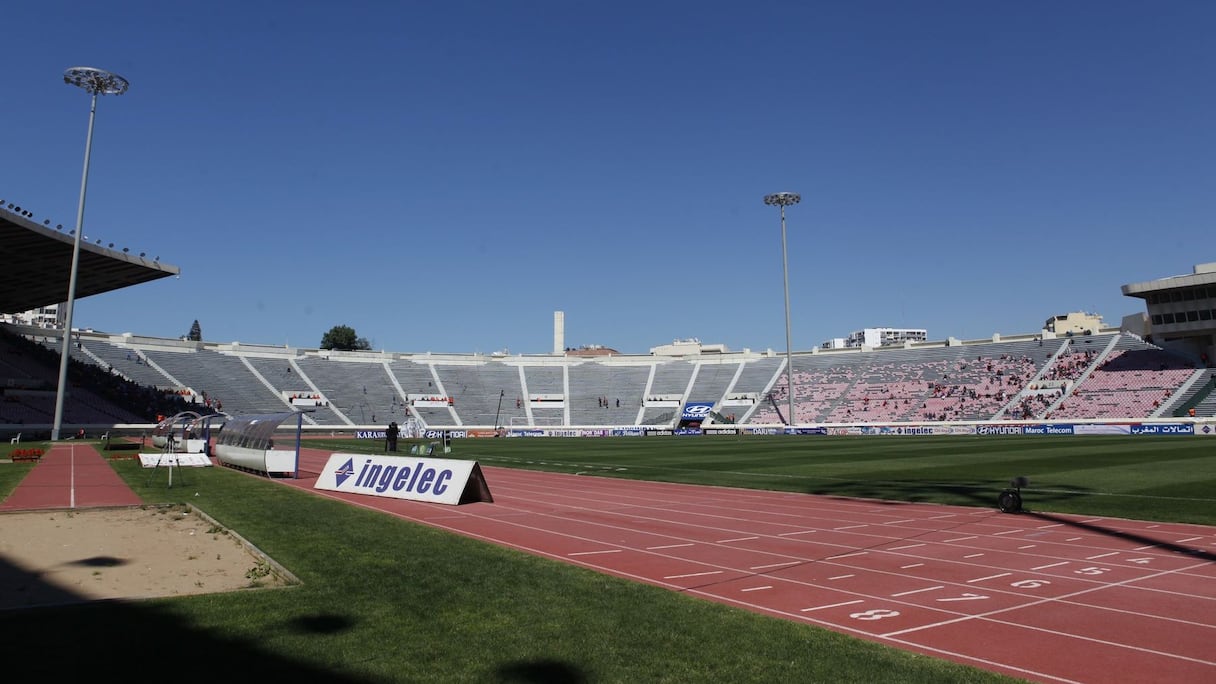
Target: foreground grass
(385,600)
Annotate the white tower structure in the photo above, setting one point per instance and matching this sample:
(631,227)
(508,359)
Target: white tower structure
(559,332)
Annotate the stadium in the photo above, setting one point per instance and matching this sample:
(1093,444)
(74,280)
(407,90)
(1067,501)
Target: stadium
(593,455)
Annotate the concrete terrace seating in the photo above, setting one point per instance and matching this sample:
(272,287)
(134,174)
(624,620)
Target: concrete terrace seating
(1131,382)
(222,376)
(476,389)
(417,377)
(359,390)
(128,362)
(712,381)
(965,382)
(278,372)
(591,381)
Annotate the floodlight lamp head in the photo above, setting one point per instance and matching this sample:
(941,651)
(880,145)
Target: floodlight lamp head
(782,199)
(96,81)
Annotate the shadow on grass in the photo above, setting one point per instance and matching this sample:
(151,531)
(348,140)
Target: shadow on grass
(961,493)
(1141,539)
(541,671)
(66,638)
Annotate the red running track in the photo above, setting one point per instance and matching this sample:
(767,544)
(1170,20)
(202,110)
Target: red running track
(70,475)
(1050,598)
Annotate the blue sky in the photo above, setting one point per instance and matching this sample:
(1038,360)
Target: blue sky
(443,176)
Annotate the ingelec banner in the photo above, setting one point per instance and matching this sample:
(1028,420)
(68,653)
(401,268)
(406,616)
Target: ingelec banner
(437,480)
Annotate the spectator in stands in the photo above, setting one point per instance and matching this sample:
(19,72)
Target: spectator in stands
(390,436)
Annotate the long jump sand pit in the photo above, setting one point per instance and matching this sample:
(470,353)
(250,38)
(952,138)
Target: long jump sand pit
(56,557)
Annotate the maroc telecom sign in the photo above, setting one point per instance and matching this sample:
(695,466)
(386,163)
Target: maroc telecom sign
(437,480)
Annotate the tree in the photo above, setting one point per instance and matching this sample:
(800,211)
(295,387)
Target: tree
(196,332)
(343,338)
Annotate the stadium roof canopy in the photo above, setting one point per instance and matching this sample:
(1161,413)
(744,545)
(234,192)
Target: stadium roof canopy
(37,261)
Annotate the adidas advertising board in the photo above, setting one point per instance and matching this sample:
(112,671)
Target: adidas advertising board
(437,480)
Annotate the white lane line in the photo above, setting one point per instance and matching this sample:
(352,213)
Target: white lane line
(769,586)
(906,546)
(914,565)
(833,605)
(695,574)
(1102,555)
(592,553)
(847,555)
(897,522)
(940,517)
(72,481)
(790,534)
(841,577)
(1028,546)
(984,579)
(1094,520)
(666,546)
(974,555)
(773,565)
(1150,527)
(1145,548)
(1074,539)
(917,591)
(1044,527)
(997,534)
(850,527)
(1053,565)
(948,541)
(1183,541)
(736,539)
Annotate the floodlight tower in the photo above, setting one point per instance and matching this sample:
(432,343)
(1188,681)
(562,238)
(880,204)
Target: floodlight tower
(783,200)
(95,82)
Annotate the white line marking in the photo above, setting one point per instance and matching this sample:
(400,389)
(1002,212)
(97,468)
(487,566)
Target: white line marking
(1028,546)
(916,591)
(72,480)
(773,565)
(668,546)
(850,527)
(592,553)
(757,588)
(914,565)
(982,579)
(964,597)
(1053,565)
(847,555)
(737,539)
(1145,548)
(694,574)
(996,534)
(833,605)
(974,555)
(939,517)
(1049,526)
(1074,539)
(959,539)
(1150,527)
(1183,541)
(1102,555)
(896,522)
(1093,520)
(841,577)
(906,546)
(790,534)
